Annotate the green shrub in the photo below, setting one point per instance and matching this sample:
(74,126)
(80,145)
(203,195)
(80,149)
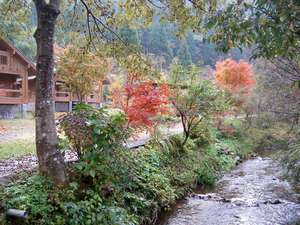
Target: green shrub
(88,128)
(33,195)
(201,134)
(291,158)
(205,176)
(264,121)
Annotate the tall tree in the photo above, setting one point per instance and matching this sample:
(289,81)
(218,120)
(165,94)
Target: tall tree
(155,41)
(193,98)
(18,26)
(51,162)
(142,101)
(237,78)
(184,55)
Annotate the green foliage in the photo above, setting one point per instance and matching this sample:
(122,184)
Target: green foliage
(89,128)
(156,40)
(184,55)
(30,195)
(17,25)
(291,159)
(269,25)
(112,185)
(193,98)
(201,134)
(186,16)
(205,176)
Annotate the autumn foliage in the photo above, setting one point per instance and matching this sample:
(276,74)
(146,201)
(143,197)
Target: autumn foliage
(142,101)
(235,77)
(81,71)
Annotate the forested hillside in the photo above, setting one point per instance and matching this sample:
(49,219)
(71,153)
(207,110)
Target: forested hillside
(160,41)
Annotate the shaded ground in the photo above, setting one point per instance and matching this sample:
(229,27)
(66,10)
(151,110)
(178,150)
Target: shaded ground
(255,193)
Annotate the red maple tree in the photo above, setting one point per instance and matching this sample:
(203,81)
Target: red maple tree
(142,101)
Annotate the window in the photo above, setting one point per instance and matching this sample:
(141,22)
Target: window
(3,60)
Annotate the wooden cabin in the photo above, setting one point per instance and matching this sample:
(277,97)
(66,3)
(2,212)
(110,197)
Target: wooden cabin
(17,85)
(15,69)
(14,72)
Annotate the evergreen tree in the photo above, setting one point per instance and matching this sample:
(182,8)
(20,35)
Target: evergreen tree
(184,55)
(155,41)
(129,35)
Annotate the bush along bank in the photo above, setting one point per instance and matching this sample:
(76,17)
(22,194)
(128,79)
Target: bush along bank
(112,185)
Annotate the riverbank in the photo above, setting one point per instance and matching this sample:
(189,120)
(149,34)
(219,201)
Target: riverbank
(129,187)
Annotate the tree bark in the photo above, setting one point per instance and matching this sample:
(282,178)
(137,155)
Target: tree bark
(51,162)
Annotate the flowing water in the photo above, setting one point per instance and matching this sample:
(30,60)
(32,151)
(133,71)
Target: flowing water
(254,193)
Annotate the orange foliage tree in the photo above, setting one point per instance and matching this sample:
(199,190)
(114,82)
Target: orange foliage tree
(235,77)
(238,79)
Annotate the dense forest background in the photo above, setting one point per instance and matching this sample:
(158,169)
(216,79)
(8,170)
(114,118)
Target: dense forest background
(159,41)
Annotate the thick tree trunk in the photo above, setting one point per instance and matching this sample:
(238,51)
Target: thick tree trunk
(51,162)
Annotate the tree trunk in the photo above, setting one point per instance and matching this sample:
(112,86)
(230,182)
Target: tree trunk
(51,162)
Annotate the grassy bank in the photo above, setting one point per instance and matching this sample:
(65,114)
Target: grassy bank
(278,138)
(128,186)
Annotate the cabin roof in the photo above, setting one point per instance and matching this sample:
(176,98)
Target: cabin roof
(9,45)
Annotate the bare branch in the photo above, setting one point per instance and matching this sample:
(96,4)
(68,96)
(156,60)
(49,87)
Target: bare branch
(97,22)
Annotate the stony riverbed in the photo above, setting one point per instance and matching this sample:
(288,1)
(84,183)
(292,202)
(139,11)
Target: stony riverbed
(254,193)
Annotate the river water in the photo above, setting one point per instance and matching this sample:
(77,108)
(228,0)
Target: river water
(254,193)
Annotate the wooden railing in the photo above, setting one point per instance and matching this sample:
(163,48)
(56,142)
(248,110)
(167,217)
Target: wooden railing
(62,96)
(11,96)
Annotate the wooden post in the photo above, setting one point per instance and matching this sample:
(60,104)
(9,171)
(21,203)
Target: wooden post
(23,110)
(25,86)
(70,106)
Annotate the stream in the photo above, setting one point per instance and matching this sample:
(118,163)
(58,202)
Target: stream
(254,193)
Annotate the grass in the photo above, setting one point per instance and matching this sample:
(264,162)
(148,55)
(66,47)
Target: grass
(16,148)
(18,139)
